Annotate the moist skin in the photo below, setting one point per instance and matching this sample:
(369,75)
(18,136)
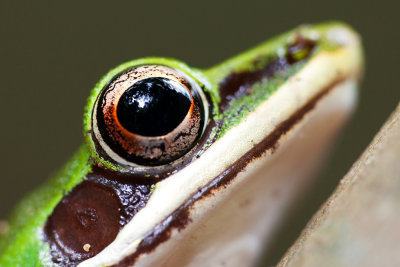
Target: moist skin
(180,218)
(107,200)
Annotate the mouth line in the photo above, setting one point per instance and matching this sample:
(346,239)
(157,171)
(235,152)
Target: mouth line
(180,218)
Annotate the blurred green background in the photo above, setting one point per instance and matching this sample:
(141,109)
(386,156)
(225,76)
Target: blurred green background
(53,52)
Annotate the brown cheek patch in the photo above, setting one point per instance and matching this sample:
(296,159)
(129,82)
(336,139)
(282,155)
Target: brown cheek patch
(85,221)
(89,217)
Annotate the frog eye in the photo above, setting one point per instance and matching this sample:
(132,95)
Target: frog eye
(148,115)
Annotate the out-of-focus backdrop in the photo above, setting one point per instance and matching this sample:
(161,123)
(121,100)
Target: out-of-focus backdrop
(53,52)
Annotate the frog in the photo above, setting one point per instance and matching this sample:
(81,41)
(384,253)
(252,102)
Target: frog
(184,166)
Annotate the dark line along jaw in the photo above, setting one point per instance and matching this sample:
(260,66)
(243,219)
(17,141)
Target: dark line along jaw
(87,217)
(336,65)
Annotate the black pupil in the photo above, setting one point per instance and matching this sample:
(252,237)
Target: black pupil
(153,106)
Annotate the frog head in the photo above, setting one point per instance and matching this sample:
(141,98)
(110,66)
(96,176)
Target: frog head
(184,166)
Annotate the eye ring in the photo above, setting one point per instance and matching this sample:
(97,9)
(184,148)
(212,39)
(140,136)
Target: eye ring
(138,137)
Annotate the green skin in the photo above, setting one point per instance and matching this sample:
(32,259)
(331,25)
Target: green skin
(22,245)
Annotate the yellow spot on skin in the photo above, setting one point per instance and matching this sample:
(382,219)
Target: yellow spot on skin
(86,247)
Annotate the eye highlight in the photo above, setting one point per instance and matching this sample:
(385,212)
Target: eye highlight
(154,106)
(149,115)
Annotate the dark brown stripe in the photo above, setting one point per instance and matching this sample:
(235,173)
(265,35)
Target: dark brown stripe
(238,84)
(181,217)
(127,188)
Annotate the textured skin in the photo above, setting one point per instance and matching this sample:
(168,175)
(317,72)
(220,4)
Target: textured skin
(238,218)
(23,244)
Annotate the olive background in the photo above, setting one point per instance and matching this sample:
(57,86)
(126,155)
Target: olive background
(53,52)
